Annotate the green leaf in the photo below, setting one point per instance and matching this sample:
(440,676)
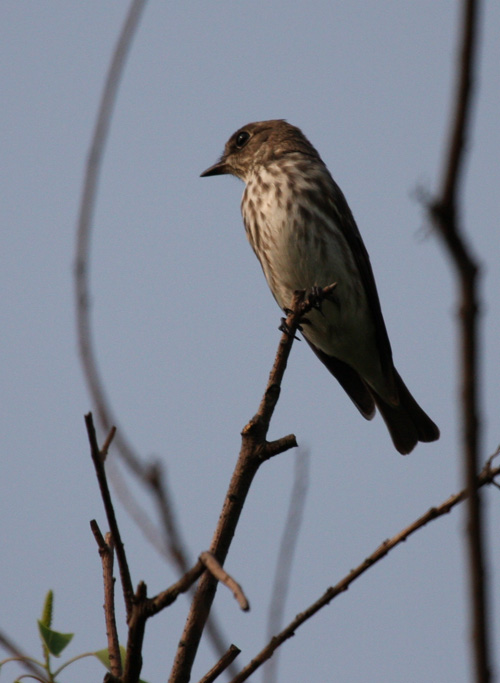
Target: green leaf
(47,609)
(54,641)
(103,657)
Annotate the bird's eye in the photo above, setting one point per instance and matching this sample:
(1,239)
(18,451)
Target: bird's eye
(242,139)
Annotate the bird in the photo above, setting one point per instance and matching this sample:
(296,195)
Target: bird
(303,232)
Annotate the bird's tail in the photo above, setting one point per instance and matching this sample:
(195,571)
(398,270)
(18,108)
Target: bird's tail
(407,422)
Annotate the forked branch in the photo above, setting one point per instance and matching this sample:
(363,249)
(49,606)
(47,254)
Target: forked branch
(255,449)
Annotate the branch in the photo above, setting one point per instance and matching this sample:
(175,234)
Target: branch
(221,665)
(106,553)
(18,655)
(143,608)
(97,459)
(88,358)
(174,543)
(136,628)
(221,575)
(486,476)
(445,214)
(254,450)
(457,143)
(168,596)
(86,212)
(138,606)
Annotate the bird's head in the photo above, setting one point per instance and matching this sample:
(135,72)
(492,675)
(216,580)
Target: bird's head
(258,145)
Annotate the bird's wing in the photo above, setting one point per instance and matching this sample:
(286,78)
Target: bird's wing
(346,223)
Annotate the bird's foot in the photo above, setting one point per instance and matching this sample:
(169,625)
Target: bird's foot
(286,329)
(318,294)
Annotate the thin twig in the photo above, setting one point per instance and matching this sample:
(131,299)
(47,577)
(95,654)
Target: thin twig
(106,553)
(461,116)
(486,476)
(444,211)
(106,445)
(174,544)
(19,656)
(221,575)
(128,591)
(254,450)
(123,491)
(170,540)
(221,665)
(167,597)
(86,212)
(99,538)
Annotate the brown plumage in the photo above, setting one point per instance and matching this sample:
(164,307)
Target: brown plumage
(303,233)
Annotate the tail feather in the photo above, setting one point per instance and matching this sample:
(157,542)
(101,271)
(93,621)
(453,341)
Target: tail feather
(407,422)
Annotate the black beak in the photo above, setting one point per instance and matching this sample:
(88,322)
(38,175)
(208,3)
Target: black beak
(220,168)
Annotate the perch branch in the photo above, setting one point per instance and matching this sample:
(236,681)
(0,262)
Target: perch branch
(254,450)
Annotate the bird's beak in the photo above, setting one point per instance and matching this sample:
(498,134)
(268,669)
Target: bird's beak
(220,168)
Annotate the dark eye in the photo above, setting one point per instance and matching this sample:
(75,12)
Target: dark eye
(242,139)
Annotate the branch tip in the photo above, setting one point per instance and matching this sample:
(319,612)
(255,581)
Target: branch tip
(216,569)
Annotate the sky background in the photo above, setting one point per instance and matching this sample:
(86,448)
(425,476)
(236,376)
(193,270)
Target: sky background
(186,329)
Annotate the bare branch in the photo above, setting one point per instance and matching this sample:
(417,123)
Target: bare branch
(99,538)
(87,206)
(97,459)
(221,575)
(136,628)
(143,608)
(253,452)
(106,553)
(82,286)
(461,116)
(138,607)
(279,446)
(19,656)
(444,211)
(126,495)
(486,476)
(106,445)
(221,665)
(174,542)
(168,596)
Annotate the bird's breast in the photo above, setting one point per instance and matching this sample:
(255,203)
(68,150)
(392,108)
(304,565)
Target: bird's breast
(295,236)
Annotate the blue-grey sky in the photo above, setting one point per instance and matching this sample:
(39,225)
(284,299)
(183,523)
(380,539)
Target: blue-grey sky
(186,329)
